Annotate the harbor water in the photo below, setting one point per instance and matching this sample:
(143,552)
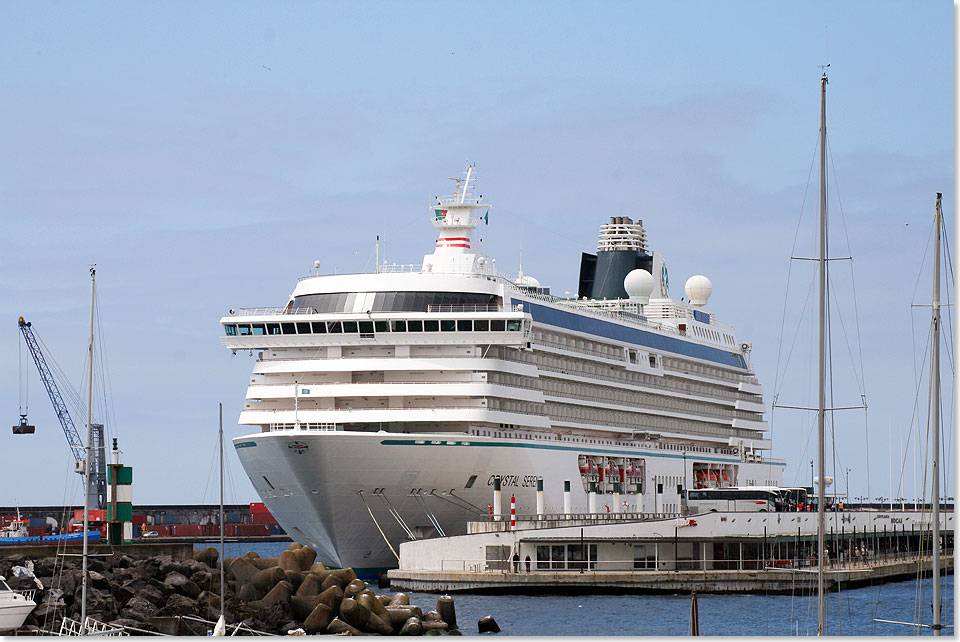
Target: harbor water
(849,612)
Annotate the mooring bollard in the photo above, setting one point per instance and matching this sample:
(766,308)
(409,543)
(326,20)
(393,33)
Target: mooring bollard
(496,499)
(540,499)
(566,498)
(513,512)
(592,499)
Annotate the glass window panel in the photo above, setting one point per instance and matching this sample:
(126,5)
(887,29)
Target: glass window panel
(349,326)
(464,325)
(498,325)
(319,327)
(543,557)
(481,325)
(378,302)
(259,329)
(333,327)
(381,326)
(388,301)
(273,328)
(414,326)
(243,329)
(513,325)
(303,327)
(349,299)
(366,327)
(288,328)
(448,325)
(398,326)
(431,325)
(230,329)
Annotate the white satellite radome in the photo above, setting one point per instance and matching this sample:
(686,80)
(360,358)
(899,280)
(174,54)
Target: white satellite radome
(639,285)
(528,282)
(698,289)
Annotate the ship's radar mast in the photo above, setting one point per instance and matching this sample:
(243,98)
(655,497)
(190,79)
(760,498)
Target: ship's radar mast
(456,217)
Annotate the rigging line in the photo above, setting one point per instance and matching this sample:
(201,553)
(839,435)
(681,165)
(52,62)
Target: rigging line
(800,320)
(843,327)
(433,518)
(914,415)
(377,524)
(396,515)
(796,234)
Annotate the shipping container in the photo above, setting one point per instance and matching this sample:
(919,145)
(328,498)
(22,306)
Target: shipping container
(232,518)
(139,520)
(263,518)
(37,522)
(187,530)
(253,530)
(258,507)
(136,530)
(276,529)
(34,531)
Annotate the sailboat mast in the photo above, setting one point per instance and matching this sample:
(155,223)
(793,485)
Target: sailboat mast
(223,592)
(86,460)
(821,395)
(935,419)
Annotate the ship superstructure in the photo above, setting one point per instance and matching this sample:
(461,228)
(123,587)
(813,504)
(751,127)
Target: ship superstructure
(390,401)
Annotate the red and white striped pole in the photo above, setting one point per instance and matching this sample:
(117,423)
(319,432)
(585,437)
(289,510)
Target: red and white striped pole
(513,512)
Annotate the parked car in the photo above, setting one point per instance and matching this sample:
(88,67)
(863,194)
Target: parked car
(151,534)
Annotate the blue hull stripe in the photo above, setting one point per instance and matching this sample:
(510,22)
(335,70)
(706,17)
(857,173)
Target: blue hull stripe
(617,332)
(576,449)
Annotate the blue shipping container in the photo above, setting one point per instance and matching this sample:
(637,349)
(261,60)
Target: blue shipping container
(38,522)
(136,531)
(232,518)
(276,530)
(171,519)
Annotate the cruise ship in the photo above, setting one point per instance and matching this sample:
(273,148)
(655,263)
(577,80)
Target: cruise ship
(383,406)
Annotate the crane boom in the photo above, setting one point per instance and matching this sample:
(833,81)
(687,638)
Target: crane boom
(97,485)
(69,429)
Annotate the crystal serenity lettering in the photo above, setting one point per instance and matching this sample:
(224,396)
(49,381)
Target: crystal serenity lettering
(515,481)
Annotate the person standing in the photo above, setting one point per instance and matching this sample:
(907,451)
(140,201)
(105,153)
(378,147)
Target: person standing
(516,562)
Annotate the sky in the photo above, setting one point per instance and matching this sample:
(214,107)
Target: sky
(203,156)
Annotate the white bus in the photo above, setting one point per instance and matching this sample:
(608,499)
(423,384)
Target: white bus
(763,499)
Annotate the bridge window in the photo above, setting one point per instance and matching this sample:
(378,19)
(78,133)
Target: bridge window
(333,327)
(498,325)
(481,325)
(230,329)
(513,325)
(398,326)
(258,329)
(273,328)
(464,325)
(319,327)
(303,327)
(431,325)
(414,326)
(349,326)
(381,326)
(288,328)
(448,325)
(366,327)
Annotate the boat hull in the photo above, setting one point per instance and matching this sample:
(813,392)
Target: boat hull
(335,490)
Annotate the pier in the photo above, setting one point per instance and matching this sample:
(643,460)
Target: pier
(708,553)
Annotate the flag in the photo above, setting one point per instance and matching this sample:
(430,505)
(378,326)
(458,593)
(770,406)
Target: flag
(486,218)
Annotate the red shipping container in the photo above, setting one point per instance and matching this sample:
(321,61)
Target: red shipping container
(139,520)
(35,531)
(188,530)
(258,507)
(263,518)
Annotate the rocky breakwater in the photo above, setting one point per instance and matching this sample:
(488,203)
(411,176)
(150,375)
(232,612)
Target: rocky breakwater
(289,593)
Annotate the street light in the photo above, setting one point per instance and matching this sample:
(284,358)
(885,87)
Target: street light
(848,484)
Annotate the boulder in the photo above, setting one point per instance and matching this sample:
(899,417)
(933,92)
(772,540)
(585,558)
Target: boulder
(208,556)
(179,605)
(175,580)
(139,609)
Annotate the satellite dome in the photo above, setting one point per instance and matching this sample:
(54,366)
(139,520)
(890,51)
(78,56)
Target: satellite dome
(528,282)
(639,285)
(698,289)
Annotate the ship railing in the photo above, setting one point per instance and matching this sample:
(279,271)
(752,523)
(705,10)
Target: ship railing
(649,561)
(469,307)
(303,425)
(272,311)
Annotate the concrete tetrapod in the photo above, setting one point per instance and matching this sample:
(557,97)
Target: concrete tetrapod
(447,611)
(354,588)
(412,627)
(369,600)
(487,625)
(339,626)
(398,615)
(309,586)
(319,619)
(400,599)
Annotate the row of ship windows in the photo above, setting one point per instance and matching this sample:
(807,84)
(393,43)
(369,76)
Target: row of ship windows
(370,327)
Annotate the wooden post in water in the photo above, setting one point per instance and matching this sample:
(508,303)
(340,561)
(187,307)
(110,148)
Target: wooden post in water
(694,615)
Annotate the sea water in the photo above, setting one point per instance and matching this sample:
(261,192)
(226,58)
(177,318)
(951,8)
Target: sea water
(849,612)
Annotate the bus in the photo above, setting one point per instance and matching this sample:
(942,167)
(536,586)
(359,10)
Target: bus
(762,499)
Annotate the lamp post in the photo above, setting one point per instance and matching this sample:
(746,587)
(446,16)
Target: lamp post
(848,485)
(812,489)
(683,484)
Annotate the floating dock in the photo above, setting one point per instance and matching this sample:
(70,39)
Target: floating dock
(710,553)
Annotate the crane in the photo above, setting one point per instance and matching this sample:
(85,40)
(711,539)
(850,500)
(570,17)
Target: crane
(97,491)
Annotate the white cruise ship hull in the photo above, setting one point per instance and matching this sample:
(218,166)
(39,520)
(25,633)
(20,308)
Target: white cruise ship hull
(312,482)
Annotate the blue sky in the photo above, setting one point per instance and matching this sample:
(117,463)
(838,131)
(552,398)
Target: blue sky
(203,156)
